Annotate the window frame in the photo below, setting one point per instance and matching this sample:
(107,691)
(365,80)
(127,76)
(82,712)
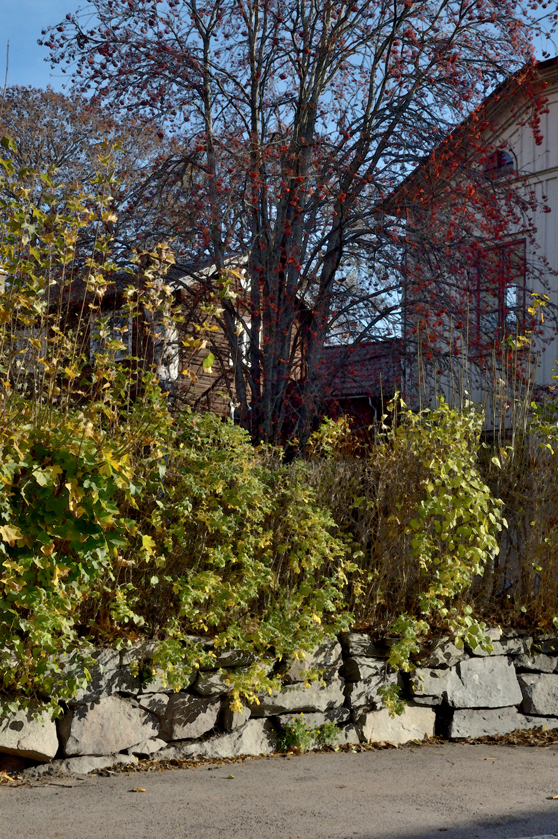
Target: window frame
(504,251)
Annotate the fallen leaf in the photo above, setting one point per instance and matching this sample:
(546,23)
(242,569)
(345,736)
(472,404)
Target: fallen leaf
(230,777)
(138,789)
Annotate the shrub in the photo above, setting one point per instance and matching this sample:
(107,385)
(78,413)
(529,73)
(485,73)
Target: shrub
(233,548)
(421,522)
(71,426)
(298,735)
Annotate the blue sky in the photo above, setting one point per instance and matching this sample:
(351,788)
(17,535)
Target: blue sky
(21,22)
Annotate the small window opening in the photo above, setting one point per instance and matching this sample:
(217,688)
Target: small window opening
(500,164)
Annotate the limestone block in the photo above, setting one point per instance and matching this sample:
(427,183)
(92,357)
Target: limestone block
(540,693)
(536,663)
(109,675)
(234,719)
(295,698)
(78,765)
(432,684)
(366,694)
(155,703)
(415,723)
(23,736)
(427,701)
(503,646)
(328,657)
(189,716)
(469,722)
(359,668)
(212,684)
(488,682)
(109,725)
(357,644)
(445,654)
(147,747)
(348,736)
(254,738)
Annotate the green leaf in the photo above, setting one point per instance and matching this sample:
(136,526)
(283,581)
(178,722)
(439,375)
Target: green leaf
(208,362)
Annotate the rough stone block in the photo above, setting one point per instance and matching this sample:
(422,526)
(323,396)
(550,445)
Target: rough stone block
(366,694)
(147,747)
(445,654)
(432,684)
(155,703)
(359,668)
(234,719)
(212,684)
(109,725)
(427,701)
(469,722)
(327,657)
(348,736)
(233,658)
(504,644)
(109,675)
(295,698)
(488,682)
(536,663)
(254,738)
(357,644)
(23,736)
(78,765)
(540,693)
(415,723)
(189,716)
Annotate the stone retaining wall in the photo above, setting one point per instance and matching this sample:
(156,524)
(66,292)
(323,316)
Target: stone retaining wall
(455,694)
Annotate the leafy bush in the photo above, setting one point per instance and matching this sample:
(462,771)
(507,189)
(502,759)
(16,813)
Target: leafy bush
(232,547)
(117,522)
(421,521)
(71,426)
(298,735)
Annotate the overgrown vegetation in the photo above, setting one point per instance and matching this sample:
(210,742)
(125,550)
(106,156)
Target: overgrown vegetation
(298,734)
(121,522)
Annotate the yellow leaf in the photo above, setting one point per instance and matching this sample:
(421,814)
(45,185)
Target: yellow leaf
(10,534)
(147,544)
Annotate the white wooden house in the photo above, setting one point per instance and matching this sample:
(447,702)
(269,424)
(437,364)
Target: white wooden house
(510,147)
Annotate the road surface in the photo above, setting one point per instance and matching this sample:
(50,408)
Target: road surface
(446,790)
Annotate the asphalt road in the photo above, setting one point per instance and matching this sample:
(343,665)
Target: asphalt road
(451,790)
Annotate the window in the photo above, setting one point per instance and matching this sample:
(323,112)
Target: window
(500,291)
(500,164)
